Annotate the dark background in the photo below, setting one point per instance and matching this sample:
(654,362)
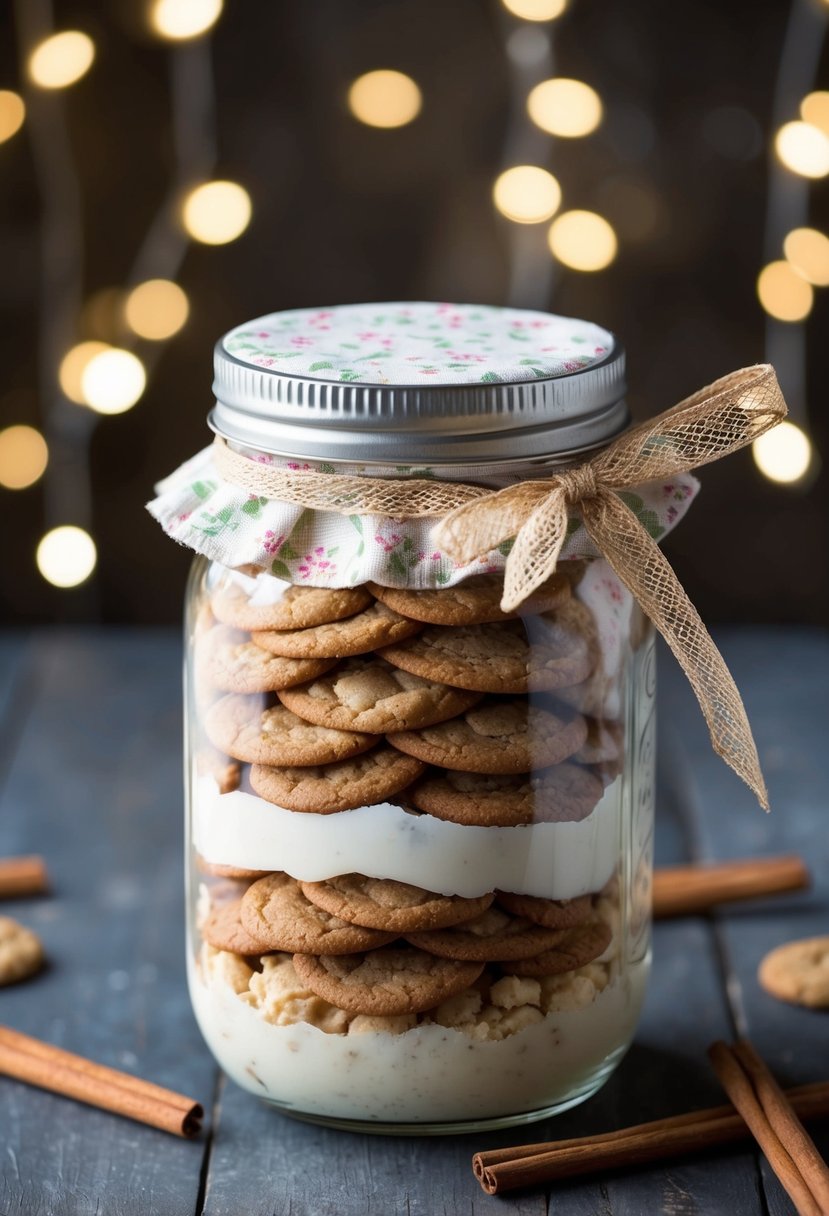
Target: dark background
(344,212)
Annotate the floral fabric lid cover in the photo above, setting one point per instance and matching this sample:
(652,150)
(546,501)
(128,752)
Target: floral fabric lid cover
(445,344)
(416,343)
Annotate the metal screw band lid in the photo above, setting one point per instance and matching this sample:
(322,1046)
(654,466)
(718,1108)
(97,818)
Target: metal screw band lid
(419,383)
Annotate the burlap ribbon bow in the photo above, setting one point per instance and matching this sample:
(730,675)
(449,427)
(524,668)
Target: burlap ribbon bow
(717,420)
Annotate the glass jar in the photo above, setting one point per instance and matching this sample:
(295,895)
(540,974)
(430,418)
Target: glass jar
(419,828)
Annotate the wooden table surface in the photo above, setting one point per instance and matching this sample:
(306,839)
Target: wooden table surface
(91,777)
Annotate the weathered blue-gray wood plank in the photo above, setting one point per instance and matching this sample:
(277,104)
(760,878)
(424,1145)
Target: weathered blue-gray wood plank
(784,678)
(95,786)
(94,783)
(15,693)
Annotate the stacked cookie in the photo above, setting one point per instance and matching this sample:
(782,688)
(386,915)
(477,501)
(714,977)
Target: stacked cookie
(328,700)
(383,949)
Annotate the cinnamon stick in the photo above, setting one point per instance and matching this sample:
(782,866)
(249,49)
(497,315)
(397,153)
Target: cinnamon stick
(21,876)
(682,890)
(72,1076)
(784,1121)
(506,1169)
(773,1124)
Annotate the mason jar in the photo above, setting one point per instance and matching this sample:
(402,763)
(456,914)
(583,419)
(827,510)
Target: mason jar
(419,827)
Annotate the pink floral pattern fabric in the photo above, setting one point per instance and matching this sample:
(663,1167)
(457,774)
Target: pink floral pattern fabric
(417,343)
(323,549)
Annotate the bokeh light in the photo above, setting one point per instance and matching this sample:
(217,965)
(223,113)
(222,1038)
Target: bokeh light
(385,98)
(803,148)
(217,212)
(112,381)
(582,240)
(807,250)
(156,309)
(527,194)
(784,453)
(23,457)
(74,364)
(180,19)
(61,59)
(66,556)
(536,10)
(12,114)
(814,109)
(568,108)
(783,293)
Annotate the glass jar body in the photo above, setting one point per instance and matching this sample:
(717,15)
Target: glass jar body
(419,865)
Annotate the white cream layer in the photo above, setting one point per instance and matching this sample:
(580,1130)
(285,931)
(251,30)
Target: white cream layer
(551,860)
(430,1073)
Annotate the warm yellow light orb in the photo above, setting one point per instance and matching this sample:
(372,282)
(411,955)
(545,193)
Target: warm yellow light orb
(12,114)
(535,10)
(526,194)
(783,453)
(808,252)
(783,293)
(385,99)
(23,457)
(66,556)
(582,240)
(180,19)
(803,148)
(568,108)
(61,59)
(112,381)
(814,109)
(73,366)
(156,309)
(216,213)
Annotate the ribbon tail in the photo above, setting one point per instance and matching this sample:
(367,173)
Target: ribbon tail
(534,556)
(641,566)
(478,527)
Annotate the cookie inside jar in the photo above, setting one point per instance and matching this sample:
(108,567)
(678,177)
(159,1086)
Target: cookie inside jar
(416,896)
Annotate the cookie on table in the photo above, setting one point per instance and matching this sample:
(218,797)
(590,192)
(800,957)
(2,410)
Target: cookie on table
(508,657)
(239,726)
(325,789)
(577,947)
(223,929)
(21,952)
(275,911)
(493,937)
(496,737)
(798,972)
(375,626)
(230,662)
(552,913)
(475,601)
(297,608)
(372,695)
(384,982)
(385,903)
(565,793)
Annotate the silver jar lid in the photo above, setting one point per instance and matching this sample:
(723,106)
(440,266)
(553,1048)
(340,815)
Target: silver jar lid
(419,383)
